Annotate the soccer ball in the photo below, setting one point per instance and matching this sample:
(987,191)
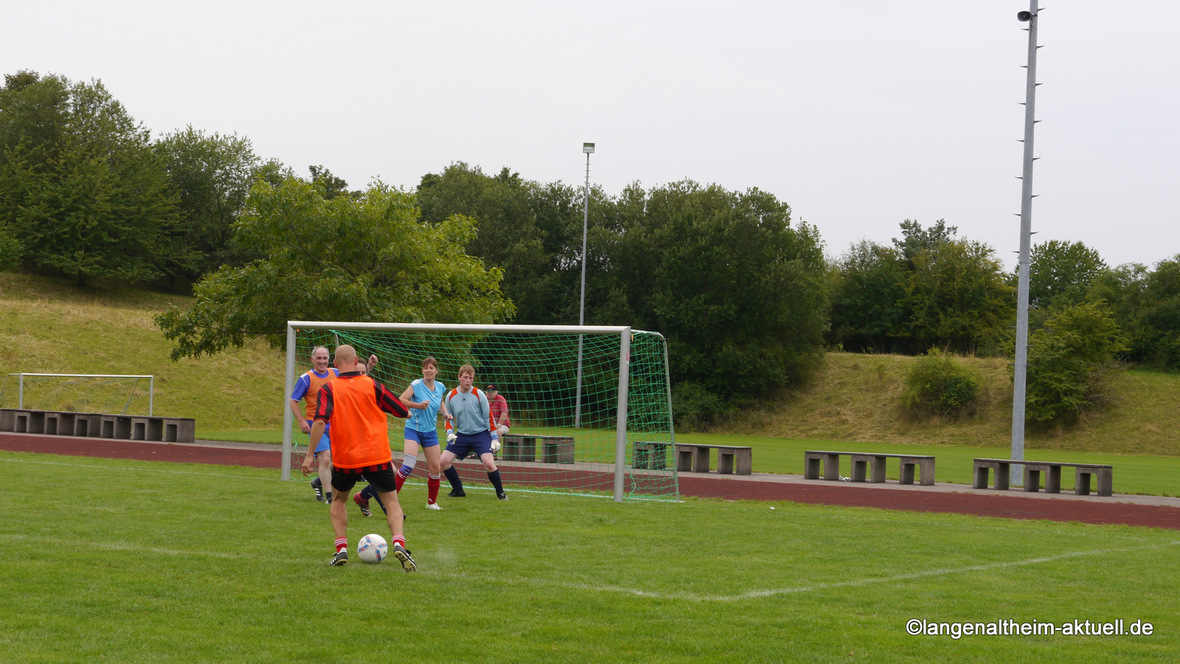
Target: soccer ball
(372,548)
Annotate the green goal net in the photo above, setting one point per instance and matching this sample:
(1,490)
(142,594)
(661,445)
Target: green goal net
(589,407)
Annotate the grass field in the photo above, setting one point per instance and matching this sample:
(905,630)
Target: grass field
(126,561)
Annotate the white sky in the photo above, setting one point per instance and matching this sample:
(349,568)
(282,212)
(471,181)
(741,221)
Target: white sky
(858,113)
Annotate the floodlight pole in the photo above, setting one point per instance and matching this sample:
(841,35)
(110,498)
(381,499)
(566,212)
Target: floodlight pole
(588,148)
(1020,372)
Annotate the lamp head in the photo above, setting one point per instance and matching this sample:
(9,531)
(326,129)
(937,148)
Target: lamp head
(588,148)
(1024,17)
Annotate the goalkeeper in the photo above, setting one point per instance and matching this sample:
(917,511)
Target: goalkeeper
(469,430)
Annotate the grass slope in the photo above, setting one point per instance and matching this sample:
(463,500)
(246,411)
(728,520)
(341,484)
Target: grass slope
(855,397)
(133,569)
(49,327)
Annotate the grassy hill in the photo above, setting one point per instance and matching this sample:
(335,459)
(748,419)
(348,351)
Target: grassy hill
(48,326)
(855,397)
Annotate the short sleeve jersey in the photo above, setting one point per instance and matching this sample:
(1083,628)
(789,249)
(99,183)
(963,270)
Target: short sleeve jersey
(308,388)
(469,410)
(499,410)
(426,420)
(356,405)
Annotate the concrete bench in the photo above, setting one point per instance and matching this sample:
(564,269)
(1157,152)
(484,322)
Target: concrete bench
(731,459)
(557,449)
(96,425)
(518,448)
(868,466)
(1001,469)
(554,449)
(28,421)
(647,455)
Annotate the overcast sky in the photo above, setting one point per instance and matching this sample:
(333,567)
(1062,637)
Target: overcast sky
(857,113)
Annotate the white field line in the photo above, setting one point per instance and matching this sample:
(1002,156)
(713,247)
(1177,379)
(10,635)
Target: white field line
(447,570)
(122,546)
(771,592)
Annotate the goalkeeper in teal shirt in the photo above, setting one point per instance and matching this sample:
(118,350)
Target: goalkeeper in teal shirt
(469,430)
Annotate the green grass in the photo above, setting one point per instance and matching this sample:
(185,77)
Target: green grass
(129,561)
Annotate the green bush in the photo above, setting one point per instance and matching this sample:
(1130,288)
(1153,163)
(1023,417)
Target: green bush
(695,407)
(938,386)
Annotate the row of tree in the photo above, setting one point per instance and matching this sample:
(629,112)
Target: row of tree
(744,295)
(933,289)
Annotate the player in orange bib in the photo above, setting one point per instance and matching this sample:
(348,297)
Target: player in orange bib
(356,405)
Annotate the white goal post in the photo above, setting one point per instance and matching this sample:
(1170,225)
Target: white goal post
(401,346)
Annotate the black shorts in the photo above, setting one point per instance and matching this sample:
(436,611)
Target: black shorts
(382,478)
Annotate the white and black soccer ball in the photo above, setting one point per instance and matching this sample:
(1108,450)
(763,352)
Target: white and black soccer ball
(372,548)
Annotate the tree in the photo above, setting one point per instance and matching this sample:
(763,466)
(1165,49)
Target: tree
(10,250)
(956,297)
(868,299)
(1061,273)
(916,240)
(211,177)
(1157,323)
(363,259)
(930,290)
(332,185)
(505,208)
(739,293)
(1070,362)
(83,192)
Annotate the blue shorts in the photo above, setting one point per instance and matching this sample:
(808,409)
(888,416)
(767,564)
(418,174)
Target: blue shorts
(324,445)
(479,443)
(423,438)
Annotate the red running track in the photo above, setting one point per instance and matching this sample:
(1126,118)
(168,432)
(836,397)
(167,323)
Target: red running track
(1097,510)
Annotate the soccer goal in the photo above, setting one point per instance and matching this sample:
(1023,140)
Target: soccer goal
(590,406)
(79,393)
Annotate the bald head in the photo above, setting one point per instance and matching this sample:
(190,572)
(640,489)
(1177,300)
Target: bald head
(346,358)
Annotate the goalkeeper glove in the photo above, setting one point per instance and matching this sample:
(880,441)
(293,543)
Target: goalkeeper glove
(451,437)
(495,443)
